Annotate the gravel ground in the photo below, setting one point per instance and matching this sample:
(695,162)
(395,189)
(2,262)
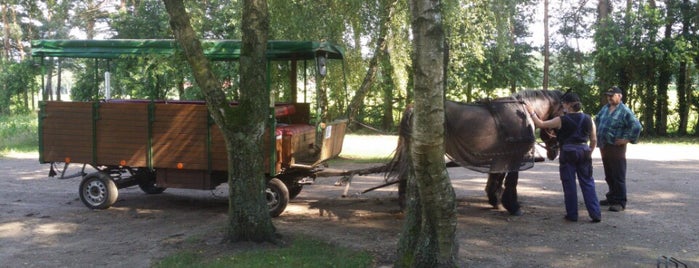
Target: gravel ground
(44,224)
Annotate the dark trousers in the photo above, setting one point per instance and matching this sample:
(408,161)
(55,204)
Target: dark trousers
(614,161)
(575,160)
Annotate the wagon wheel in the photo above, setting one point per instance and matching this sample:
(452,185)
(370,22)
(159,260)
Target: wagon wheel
(277,197)
(146,181)
(98,191)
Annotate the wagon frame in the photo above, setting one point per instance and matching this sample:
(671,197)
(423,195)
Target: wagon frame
(159,144)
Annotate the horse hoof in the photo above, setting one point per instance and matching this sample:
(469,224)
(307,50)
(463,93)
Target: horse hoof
(517,213)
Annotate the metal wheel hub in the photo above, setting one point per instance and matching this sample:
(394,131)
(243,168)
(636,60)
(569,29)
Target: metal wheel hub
(272,197)
(95,192)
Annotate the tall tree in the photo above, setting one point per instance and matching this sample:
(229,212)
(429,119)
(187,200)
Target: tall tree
(665,69)
(381,45)
(684,94)
(242,126)
(428,236)
(547,62)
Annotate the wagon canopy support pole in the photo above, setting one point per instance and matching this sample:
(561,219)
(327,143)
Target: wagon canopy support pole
(43,85)
(97,89)
(293,80)
(272,125)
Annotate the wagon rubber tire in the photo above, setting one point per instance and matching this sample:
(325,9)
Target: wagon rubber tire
(277,196)
(98,191)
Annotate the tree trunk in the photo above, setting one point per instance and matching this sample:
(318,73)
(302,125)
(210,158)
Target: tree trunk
(388,88)
(664,79)
(59,78)
(684,94)
(369,78)
(428,235)
(49,81)
(242,126)
(603,78)
(5,33)
(547,62)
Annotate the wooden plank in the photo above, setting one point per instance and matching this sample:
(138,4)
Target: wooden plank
(188,179)
(179,141)
(122,134)
(67,131)
(180,136)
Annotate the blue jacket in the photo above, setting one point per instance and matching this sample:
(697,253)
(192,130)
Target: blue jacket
(620,124)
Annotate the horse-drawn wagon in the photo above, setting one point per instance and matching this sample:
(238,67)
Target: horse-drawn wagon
(157,144)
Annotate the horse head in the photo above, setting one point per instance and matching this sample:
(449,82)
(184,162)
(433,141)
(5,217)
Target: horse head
(547,104)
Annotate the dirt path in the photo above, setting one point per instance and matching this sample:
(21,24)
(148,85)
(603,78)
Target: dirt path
(44,224)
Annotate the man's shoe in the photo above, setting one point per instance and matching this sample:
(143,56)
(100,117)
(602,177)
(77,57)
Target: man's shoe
(596,220)
(616,208)
(604,202)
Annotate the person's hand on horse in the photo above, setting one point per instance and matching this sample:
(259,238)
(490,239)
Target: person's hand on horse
(529,108)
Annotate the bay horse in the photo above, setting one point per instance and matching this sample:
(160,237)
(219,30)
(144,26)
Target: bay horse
(494,136)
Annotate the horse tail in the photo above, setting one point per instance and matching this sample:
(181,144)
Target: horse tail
(399,165)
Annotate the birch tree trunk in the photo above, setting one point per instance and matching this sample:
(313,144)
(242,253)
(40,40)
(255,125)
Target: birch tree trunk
(428,239)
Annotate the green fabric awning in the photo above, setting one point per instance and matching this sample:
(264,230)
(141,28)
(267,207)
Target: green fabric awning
(217,50)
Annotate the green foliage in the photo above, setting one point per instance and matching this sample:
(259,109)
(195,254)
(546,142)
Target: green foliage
(303,252)
(489,53)
(146,20)
(18,133)
(17,83)
(493,55)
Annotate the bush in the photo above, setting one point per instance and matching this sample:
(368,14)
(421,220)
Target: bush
(19,133)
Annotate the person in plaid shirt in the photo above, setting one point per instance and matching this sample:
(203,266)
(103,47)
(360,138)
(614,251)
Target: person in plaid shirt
(617,126)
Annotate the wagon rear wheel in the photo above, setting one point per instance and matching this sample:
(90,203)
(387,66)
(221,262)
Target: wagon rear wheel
(98,191)
(277,197)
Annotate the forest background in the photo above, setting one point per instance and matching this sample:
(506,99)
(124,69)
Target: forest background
(649,48)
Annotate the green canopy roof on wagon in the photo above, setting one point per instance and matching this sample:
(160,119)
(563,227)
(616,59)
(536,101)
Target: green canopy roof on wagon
(216,50)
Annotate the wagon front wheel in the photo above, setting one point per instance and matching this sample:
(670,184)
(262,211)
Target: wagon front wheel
(98,191)
(277,196)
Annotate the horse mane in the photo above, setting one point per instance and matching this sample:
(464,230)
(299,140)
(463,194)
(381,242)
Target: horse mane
(531,93)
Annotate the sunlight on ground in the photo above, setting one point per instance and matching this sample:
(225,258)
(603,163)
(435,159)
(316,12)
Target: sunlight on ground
(377,146)
(20,229)
(20,155)
(662,152)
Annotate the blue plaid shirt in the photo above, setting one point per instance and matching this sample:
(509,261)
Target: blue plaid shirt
(620,124)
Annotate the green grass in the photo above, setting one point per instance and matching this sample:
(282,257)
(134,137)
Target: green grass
(301,252)
(18,133)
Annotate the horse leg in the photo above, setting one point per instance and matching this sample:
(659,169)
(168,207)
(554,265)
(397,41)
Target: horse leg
(509,196)
(493,188)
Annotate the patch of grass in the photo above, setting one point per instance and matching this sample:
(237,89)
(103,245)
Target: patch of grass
(301,252)
(19,133)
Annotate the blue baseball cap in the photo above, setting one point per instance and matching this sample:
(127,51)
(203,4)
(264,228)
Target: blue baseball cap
(613,90)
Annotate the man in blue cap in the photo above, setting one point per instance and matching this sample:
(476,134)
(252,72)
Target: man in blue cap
(617,126)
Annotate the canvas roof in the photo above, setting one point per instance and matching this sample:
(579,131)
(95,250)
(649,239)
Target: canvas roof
(218,50)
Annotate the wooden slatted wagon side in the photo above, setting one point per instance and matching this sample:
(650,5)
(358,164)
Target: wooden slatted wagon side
(159,144)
